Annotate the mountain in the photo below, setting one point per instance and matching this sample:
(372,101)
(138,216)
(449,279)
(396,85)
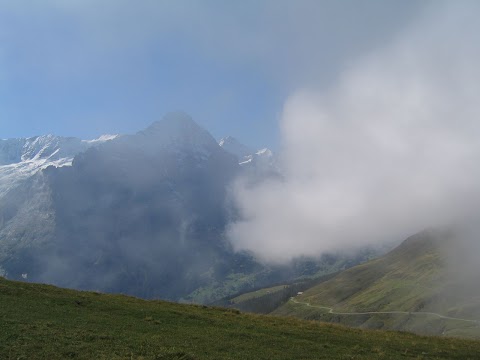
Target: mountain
(245,155)
(411,288)
(45,322)
(22,158)
(26,217)
(256,166)
(234,147)
(142,214)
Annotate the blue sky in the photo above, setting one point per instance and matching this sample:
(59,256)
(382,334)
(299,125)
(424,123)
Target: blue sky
(84,67)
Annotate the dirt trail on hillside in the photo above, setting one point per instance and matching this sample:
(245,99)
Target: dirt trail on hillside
(330,311)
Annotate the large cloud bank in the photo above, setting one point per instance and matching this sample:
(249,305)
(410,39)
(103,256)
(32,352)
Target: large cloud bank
(391,149)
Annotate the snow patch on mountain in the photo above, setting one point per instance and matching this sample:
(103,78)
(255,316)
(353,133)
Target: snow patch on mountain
(264,156)
(245,155)
(233,146)
(22,158)
(264,152)
(102,139)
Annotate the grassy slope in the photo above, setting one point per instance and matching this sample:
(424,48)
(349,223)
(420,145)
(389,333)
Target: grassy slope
(39,321)
(412,277)
(404,279)
(257,293)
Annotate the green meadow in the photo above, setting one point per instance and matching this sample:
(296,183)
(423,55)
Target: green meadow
(45,322)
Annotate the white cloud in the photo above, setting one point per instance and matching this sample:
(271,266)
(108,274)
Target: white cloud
(391,149)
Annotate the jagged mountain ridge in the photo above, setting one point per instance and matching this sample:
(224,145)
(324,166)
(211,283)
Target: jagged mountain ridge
(22,158)
(49,147)
(235,147)
(245,154)
(256,166)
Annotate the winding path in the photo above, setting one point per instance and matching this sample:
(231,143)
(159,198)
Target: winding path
(330,311)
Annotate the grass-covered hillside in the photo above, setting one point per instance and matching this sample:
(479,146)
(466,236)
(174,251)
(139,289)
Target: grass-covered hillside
(409,289)
(45,322)
(266,300)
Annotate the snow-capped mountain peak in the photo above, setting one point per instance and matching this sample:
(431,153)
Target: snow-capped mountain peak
(233,146)
(23,157)
(176,133)
(44,147)
(178,128)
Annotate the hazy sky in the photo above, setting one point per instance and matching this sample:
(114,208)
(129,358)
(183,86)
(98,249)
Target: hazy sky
(87,67)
